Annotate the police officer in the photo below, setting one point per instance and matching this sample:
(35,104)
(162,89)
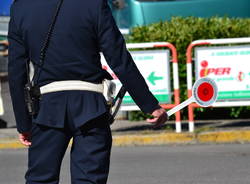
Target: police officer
(82,30)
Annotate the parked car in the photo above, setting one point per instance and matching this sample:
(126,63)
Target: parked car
(131,13)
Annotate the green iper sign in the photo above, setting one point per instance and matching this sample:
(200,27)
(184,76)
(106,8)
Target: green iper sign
(229,67)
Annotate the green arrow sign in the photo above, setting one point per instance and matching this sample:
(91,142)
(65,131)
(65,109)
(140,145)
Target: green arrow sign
(152,78)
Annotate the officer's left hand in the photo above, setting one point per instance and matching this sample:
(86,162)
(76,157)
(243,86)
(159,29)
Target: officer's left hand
(25,138)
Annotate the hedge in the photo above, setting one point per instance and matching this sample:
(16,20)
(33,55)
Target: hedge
(181,32)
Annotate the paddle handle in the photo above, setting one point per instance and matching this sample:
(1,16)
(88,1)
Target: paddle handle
(180,106)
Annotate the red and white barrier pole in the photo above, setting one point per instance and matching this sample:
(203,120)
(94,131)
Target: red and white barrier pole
(190,82)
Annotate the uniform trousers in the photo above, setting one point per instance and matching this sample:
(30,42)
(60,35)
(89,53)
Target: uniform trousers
(89,155)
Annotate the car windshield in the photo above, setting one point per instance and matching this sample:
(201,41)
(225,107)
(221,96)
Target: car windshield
(158,0)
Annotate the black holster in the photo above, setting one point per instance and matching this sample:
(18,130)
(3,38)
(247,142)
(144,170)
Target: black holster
(32,97)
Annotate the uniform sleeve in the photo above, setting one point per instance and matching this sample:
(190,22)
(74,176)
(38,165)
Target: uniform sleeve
(17,76)
(113,46)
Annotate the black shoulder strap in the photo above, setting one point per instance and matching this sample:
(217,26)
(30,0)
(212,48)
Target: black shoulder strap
(46,43)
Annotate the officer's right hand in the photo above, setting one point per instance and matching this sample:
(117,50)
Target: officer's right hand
(159,117)
(25,138)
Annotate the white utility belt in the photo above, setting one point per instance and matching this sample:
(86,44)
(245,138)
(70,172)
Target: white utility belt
(71,85)
(107,87)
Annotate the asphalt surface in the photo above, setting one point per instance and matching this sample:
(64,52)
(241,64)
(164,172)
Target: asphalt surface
(186,164)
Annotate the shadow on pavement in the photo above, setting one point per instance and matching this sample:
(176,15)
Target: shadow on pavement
(211,124)
(3,124)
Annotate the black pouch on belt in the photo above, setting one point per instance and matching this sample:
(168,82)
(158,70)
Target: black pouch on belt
(32,96)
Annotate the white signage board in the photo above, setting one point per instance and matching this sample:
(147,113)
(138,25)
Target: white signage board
(1,103)
(154,66)
(229,66)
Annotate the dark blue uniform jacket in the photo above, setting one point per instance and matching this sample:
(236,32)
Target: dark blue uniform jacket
(84,28)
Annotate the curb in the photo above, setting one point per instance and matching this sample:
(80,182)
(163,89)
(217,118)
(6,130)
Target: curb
(153,139)
(11,144)
(237,136)
(224,137)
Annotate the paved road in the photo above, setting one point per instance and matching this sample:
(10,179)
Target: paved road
(189,164)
